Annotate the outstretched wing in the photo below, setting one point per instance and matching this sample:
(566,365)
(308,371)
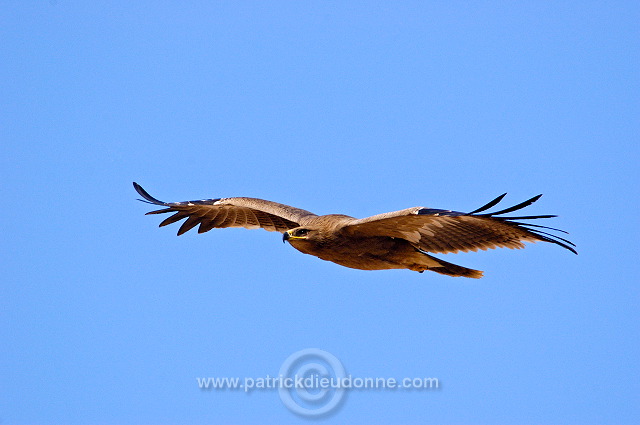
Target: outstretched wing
(444,231)
(250,213)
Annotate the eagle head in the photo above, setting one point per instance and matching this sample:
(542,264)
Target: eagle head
(309,240)
(298,234)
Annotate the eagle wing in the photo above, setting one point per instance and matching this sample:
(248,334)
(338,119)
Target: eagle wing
(250,213)
(445,231)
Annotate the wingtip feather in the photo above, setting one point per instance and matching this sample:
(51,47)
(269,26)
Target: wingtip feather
(147,198)
(489,205)
(515,207)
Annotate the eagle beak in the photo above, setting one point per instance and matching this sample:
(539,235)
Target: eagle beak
(285,236)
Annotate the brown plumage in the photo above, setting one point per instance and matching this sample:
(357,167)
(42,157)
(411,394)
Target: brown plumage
(395,240)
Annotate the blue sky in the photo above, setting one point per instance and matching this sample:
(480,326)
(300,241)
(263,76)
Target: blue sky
(335,107)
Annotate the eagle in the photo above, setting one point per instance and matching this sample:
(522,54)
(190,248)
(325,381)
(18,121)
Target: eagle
(394,240)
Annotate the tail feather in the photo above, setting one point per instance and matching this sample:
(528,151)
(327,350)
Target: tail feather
(450,269)
(457,271)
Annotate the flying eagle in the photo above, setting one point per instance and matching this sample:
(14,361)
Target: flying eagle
(394,240)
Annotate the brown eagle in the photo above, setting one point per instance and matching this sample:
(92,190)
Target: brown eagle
(394,240)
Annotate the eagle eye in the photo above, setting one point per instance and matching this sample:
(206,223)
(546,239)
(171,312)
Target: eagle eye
(301,232)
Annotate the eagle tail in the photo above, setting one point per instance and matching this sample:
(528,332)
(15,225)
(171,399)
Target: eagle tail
(450,269)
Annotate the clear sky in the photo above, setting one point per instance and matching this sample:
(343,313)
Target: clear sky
(335,107)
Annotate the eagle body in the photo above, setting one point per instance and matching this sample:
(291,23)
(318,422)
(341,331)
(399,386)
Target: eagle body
(395,240)
(366,252)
